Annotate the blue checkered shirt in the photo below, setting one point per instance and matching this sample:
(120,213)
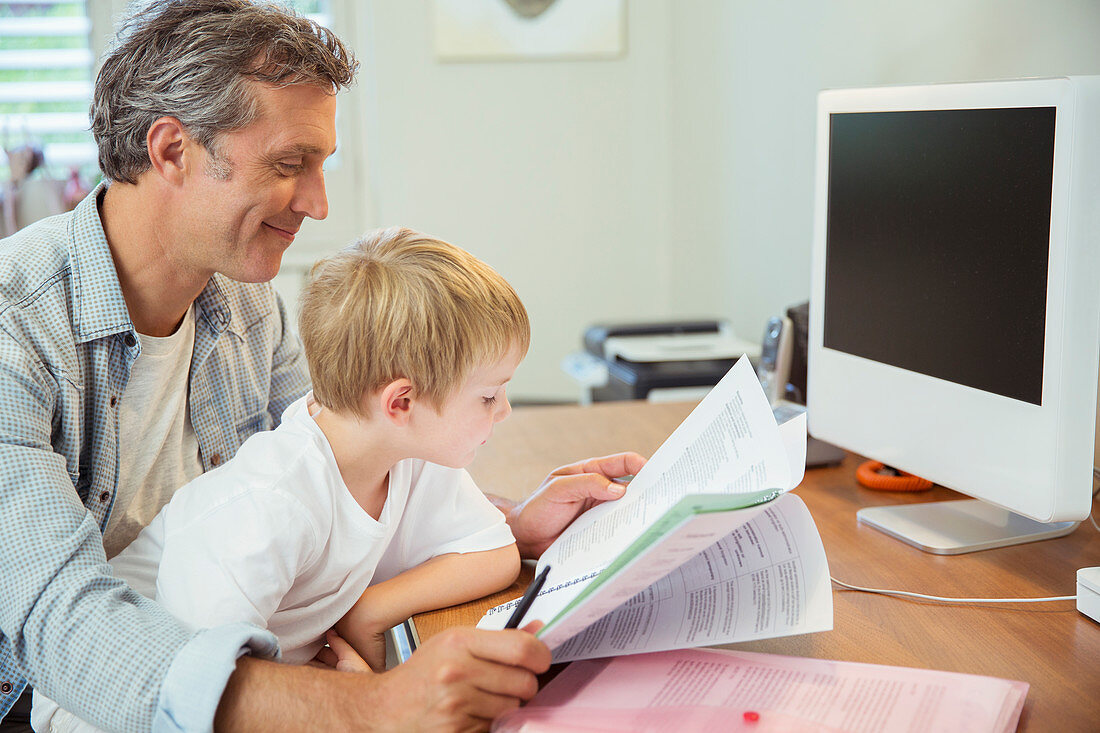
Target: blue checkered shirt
(66,348)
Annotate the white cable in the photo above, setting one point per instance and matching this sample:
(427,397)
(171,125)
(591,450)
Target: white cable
(947,599)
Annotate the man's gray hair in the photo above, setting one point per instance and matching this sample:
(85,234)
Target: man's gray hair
(195,60)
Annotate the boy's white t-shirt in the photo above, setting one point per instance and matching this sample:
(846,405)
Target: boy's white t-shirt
(275,538)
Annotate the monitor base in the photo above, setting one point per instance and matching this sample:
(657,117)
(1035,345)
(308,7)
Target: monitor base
(957,527)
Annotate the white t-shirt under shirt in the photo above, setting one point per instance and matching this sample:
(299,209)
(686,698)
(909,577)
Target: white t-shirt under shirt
(275,538)
(158,449)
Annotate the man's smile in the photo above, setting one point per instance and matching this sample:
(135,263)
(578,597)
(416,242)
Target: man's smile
(287,234)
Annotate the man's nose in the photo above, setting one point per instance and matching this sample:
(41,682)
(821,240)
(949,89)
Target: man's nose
(310,198)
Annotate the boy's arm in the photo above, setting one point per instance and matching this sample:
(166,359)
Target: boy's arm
(445,580)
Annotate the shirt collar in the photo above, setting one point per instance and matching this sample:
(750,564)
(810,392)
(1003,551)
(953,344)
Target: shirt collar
(98,305)
(212,307)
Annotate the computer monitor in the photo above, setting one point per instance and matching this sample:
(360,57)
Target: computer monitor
(955,300)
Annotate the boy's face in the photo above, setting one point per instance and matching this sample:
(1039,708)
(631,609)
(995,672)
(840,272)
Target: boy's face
(452,436)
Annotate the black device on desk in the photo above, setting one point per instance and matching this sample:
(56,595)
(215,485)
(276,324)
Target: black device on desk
(643,357)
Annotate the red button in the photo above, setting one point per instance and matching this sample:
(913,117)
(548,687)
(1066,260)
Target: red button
(215,460)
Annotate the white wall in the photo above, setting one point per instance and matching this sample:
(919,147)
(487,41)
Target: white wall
(744,78)
(676,181)
(554,172)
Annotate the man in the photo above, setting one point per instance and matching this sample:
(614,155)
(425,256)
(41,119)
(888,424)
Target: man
(140,345)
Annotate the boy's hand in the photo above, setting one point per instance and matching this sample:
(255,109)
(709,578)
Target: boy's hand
(566,493)
(340,655)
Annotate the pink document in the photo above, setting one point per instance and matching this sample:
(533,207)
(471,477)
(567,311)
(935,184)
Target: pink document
(713,689)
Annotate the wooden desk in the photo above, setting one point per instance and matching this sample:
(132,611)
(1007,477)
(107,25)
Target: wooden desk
(1050,645)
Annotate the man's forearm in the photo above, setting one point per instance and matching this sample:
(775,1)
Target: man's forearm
(511,511)
(504,505)
(268,696)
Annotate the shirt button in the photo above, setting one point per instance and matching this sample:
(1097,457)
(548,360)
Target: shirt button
(104,496)
(130,340)
(114,400)
(5,687)
(216,459)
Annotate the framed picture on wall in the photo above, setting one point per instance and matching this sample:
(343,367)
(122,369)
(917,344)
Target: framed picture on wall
(498,30)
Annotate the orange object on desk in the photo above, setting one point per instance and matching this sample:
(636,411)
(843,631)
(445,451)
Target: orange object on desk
(870,474)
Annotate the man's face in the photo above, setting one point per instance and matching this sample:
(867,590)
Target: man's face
(452,436)
(241,223)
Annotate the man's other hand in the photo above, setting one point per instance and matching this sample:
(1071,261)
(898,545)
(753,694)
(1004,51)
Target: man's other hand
(460,679)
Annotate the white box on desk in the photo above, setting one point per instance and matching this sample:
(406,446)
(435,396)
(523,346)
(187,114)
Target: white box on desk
(1088,592)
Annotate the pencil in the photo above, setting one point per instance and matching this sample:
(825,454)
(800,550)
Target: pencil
(527,600)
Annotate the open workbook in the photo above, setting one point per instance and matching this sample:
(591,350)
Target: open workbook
(706,547)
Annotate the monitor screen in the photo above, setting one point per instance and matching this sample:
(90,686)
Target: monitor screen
(955,311)
(937,243)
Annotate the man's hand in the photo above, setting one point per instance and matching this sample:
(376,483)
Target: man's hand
(566,493)
(460,679)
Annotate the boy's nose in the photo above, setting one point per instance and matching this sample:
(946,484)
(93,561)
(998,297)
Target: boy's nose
(504,411)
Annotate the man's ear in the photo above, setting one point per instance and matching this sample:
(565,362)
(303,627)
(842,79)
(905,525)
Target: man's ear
(396,401)
(171,149)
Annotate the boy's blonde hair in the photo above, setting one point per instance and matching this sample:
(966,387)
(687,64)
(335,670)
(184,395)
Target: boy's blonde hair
(399,303)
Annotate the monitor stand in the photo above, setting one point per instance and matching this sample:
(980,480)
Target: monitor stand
(955,527)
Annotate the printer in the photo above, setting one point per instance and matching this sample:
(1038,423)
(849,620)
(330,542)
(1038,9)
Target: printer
(676,360)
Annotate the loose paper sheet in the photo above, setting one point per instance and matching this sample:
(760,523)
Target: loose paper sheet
(711,689)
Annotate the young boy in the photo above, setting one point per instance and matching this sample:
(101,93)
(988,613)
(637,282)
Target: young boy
(355,512)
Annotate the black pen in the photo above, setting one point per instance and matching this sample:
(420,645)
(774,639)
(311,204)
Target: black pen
(527,600)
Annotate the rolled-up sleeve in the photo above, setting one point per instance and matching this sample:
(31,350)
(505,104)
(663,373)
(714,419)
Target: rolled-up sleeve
(197,677)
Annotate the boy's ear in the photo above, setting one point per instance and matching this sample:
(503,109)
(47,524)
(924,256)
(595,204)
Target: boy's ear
(396,401)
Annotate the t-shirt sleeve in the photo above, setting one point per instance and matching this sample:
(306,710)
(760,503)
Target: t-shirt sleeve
(446,512)
(234,562)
